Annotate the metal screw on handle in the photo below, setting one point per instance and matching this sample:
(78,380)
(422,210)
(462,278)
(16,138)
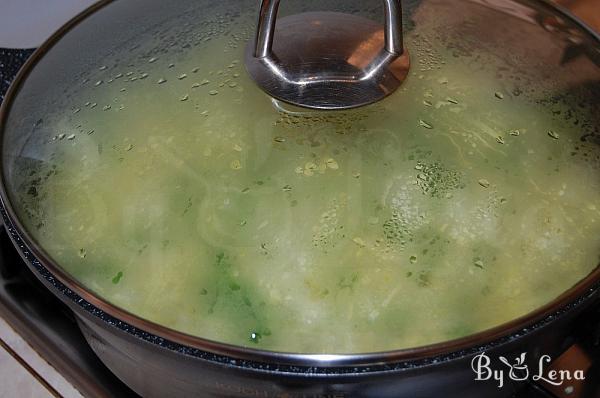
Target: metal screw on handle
(328,60)
(268,17)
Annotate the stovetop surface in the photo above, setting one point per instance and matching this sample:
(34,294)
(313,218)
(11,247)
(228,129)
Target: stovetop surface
(50,328)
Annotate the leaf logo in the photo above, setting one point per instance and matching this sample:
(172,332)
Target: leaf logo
(519,371)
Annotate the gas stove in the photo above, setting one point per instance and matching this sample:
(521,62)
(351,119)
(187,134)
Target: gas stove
(50,328)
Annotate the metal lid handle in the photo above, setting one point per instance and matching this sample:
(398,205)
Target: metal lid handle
(268,16)
(328,60)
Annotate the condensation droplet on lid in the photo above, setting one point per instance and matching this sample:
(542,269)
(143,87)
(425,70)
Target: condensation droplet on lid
(359,242)
(71,137)
(184,98)
(413,259)
(484,183)
(279,139)
(332,164)
(213,92)
(151,60)
(500,139)
(424,124)
(499,95)
(99,82)
(182,76)
(553,135)
(161,81)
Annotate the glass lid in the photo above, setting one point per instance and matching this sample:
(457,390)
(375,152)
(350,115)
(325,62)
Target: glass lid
(142,158)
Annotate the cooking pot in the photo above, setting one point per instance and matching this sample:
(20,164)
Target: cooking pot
(302,63)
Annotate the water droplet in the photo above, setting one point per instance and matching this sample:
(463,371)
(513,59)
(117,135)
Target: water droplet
(204,82)
(123,90)
(128,73)
(356,174)
(299,170)
(452,100)
(195,70)
(423,123)
(484,183)
(61,136)
(90,132)
(171,65)
(143,75)
(82,253)
(237,148)
(478,263)
(553,135)
(279,139)
(152,60)
(71,137)
(515,133)
(103,67)
(184,98)
(118,75)
(182,76)
(287,188)
(413,259)
(195,85)
(236,164)
(76,110)
(419,166)
(359,242)
(500,139)
(213,92)
(99,82)
(129,147)
(499,95)
(255,337)
(93,105)
(427,103)
(107,107)
(232,84)
(236,75)
(162,80)
(332,164)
